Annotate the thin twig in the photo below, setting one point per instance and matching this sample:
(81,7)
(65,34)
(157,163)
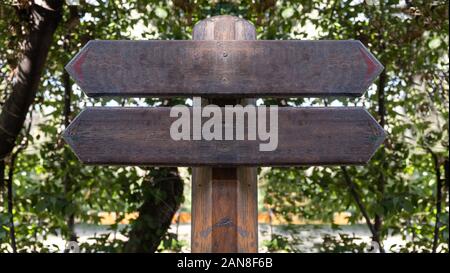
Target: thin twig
(437,171)
(354,192)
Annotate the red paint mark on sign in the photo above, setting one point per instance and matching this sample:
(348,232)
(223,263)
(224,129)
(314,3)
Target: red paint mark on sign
(78,63)
(371,65)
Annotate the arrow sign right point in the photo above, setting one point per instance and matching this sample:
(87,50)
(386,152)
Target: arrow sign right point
(374,67)
(378,137)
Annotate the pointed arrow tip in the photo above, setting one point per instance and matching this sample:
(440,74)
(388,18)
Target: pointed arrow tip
(70,132)
(378,137)
(75,66)
(373,66)
(67,136)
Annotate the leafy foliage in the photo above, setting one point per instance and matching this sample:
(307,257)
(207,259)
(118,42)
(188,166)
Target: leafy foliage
(398,187)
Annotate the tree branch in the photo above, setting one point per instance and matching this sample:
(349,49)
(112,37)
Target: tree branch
(9,185)
(10,197)
(437,171)
(354,192)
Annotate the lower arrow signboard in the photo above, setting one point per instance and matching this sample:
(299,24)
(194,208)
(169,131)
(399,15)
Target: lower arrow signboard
(285,137)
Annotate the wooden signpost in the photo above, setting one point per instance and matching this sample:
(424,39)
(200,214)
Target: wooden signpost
(224,64)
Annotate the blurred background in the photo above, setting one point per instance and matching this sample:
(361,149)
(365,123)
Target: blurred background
(399,200)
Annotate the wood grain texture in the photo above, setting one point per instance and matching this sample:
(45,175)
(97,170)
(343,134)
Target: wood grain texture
(224,233)
(241,233)
(141,136)
(224,210)
(247,210)
(201,223)
(224,68)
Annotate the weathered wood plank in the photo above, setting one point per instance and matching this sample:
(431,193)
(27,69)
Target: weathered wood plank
(141,136)
(224,68)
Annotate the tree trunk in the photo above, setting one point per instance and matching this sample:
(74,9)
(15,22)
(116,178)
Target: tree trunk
(163,192)
(42,25)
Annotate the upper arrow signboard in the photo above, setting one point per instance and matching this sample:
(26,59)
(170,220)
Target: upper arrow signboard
(224,68)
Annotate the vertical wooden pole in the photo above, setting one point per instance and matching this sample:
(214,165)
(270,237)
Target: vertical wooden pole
(224,200)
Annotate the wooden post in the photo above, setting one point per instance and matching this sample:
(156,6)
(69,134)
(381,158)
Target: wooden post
(224,200)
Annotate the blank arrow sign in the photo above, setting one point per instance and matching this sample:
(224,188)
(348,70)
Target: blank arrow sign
(141,136)
(224,68)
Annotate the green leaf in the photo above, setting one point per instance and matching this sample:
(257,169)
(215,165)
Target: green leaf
(161,13)
(288,13)
(435,43)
